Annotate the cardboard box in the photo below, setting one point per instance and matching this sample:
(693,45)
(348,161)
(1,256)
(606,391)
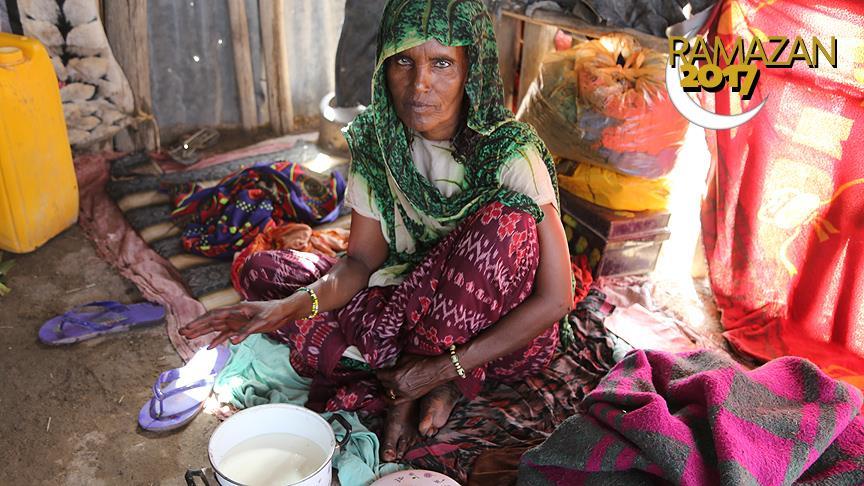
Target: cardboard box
(616,242)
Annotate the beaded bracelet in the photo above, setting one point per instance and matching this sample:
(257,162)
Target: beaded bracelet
(314,301)
(455,359)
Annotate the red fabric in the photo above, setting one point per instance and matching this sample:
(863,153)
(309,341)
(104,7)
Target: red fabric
(784,220)
(582,278)
(291,236)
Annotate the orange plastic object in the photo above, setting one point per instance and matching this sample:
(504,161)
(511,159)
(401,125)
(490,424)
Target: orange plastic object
(38,189)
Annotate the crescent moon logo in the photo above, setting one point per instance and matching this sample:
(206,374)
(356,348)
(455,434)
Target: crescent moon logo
(691,110)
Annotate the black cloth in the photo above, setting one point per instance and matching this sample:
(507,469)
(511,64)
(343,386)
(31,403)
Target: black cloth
(355,54)
(9,17)
(649,16)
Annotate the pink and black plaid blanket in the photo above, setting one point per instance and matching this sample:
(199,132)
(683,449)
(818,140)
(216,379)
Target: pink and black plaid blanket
(700,419)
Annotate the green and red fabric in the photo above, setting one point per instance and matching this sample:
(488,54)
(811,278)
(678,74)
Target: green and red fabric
(380,145)
(221,220)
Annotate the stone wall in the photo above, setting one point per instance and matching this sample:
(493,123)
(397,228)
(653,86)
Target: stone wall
(97,100)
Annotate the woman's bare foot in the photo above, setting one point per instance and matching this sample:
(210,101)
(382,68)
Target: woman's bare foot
(436,407)
(400,431)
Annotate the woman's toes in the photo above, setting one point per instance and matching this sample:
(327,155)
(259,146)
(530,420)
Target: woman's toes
(400,432)
(425,427)
(435,409)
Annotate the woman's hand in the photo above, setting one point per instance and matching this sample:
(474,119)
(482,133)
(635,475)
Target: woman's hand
(239,321)
(414,376)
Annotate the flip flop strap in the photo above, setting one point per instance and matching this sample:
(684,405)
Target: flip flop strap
(109,306)
(157,414)
(168,377)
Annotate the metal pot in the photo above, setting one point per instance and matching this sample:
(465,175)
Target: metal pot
(274,419)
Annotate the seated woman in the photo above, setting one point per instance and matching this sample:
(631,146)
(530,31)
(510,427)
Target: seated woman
(457,268)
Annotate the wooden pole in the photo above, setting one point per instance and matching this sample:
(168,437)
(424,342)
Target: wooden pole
(507,37)
(268,47)
(126,27)
(243,63)
(537,41)
(286,105)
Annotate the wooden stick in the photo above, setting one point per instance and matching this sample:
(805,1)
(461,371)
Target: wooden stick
(243,63)
(268,48)
(126,27)
(506,36)
(286,105)
(536,43)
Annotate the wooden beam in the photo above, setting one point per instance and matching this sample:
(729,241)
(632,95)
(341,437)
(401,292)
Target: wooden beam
(243,63)
(286,105)
(126,27)
(268,52)
(537,41)
(577,26)
(507,38)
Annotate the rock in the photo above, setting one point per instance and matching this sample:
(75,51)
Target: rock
(77,92)
(112,117)
(46,10)
(123,94)
(103,131)
(88,123)
(107,90)
(80,11)
(77,137)
(123,141)
(87,39)
(46,32)
(88,68)
(70,111)
(90,107)
(59,69)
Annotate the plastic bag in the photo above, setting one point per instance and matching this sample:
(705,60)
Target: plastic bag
(604,102)
(616,191)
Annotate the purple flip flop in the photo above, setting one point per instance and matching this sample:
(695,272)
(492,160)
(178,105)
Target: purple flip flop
(179,394)
(97,318)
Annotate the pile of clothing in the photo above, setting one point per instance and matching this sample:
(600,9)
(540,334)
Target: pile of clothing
(222,220)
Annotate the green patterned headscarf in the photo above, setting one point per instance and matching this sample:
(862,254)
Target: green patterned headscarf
(379,142)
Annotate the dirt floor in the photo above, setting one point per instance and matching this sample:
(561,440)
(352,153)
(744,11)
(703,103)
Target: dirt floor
(69,414)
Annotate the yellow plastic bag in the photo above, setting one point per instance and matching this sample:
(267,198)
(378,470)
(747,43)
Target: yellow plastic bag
(616,191)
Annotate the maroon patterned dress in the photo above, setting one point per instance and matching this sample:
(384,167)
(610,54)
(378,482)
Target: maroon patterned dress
(475,275)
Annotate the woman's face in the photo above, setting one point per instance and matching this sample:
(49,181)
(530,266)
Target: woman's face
(427,84)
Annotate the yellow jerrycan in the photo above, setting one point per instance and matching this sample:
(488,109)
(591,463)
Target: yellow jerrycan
(38,188)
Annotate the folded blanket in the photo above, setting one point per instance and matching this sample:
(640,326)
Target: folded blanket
(698,418)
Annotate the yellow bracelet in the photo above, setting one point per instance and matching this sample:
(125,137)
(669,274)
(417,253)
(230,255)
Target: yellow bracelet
(314,301)
(455,359)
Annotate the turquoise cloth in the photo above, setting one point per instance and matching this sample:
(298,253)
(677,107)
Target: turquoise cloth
(259,372)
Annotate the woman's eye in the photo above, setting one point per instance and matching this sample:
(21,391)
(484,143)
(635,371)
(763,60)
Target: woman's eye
(403,61)
(442,64)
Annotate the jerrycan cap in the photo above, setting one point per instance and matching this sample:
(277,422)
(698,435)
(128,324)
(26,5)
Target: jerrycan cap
(10,55)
